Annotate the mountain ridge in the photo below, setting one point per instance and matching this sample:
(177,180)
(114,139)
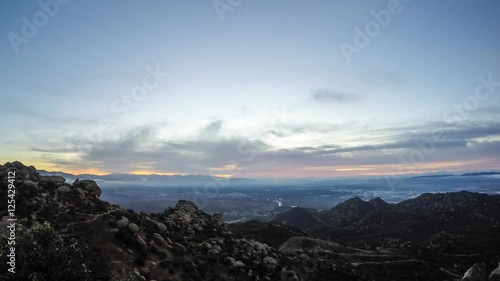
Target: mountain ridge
(139,177)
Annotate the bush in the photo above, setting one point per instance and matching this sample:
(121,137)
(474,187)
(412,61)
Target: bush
(43,256)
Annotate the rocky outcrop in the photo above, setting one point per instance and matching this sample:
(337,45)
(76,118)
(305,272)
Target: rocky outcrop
(56,181)
(478,272)
(299,217)
(495,274)
(459,214)
(89,186)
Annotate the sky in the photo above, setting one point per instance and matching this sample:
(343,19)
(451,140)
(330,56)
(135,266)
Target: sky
(251,88)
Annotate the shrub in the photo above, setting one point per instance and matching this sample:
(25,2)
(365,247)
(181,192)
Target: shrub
(43,256)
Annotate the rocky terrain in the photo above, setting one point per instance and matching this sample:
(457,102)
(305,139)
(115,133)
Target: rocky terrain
(64,226)
(445,231)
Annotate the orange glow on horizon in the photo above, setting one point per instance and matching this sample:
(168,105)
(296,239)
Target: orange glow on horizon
(223,176)
(78,171)
(329,171)
(146,173)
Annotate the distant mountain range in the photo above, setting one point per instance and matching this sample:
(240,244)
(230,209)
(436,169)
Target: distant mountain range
(481,174)
(172,180)
(460,175)
(203,179)
(433,176)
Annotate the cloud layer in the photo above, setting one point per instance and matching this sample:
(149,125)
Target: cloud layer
(400,149)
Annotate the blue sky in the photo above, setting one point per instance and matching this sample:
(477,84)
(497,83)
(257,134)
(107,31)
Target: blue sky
(263,89)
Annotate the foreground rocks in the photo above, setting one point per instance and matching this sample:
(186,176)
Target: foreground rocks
(478,272)
(495,274)
(184,243)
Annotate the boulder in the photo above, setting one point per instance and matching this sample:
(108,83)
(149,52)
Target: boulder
(122,222)
(142,243)
(44,180)
(186,218)
(495,274)
(56,181)
(63,188)
(187,206)
(478,272)
(31,184)
(238,264)
(133,227)
(90,186)
(161,226)
(159,240)
(28,189)
(270,262)
(218,216)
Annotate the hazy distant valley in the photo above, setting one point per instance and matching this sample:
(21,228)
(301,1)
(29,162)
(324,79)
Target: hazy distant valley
(244,199)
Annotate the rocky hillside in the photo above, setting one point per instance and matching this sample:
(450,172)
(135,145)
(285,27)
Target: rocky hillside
(299,217)
(463,213)
(65,232)
(449,230)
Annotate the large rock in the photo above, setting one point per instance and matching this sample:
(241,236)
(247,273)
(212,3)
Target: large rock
(495,274)
(238,264)
(22,173)
(159,240)
(161,226)
(122,222)
(63,189)
(187,206)
(142,243)
(56,181)
(44,180)
(31,184)
(133,227)
(28,189)
(90,186)
(270,263)
(478,272)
